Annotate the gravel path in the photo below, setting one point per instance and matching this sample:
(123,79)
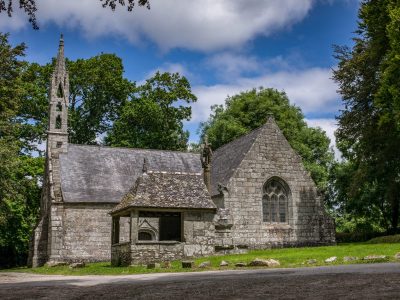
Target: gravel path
(369,281)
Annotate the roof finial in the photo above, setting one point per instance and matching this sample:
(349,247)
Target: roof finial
(270,115)
(144,169)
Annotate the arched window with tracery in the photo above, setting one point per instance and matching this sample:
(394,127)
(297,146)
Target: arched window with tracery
(275,201)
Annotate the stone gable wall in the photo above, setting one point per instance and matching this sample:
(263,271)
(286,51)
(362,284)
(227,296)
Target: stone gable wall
(271,156)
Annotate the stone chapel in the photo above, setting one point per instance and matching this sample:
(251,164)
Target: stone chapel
(138,205)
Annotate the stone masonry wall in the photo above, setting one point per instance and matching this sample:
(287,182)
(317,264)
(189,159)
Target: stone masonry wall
(87,232)
(198,240)
(271,156)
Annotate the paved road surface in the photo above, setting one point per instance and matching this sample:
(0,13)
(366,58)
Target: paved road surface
(370,281)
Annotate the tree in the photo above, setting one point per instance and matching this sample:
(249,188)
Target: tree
(19,174)
(98,90)
(369,125)
(153,117)
(29,7)
(249,110)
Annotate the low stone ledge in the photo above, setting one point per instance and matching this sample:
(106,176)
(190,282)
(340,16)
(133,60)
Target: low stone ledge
(156,243)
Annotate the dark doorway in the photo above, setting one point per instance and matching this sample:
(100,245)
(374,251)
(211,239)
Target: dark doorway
(170,227)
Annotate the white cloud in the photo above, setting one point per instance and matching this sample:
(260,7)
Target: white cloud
(201,25)
(311,89)
(230,65)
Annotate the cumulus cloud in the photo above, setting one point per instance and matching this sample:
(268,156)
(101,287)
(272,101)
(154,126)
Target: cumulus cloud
(310,89)
(198,25)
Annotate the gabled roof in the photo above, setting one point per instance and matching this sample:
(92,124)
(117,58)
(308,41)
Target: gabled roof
(226,159)
(105,174)
(167,190)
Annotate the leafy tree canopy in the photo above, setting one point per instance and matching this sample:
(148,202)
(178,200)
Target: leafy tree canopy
(249,110)
(19,174)
(98,90)
(153,117)
(369,125)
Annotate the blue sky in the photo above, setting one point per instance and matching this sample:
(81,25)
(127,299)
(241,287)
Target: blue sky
(222,46)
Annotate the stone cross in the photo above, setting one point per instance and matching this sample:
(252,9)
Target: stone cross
(205,157)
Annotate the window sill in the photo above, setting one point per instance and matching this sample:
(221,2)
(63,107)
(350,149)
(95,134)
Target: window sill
(157,242)
(120,244)
(277,225)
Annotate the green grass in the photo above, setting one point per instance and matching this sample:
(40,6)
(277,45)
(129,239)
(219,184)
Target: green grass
(288,258)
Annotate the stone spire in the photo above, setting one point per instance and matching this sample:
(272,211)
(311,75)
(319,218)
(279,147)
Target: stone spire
(60,63)
(58,104)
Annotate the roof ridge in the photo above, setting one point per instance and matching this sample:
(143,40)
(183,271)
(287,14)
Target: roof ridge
(129,148)
(174,173)
(241,136)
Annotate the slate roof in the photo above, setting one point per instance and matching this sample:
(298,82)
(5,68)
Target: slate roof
(105,174)
(226,159)
(167,190)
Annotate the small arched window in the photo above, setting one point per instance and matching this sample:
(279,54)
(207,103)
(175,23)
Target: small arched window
(145,235)
(275,201)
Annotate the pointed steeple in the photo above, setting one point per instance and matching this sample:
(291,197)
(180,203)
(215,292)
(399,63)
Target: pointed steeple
(58,101)
(60,63)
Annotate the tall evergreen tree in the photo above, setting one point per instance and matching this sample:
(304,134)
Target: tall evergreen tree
(369,125)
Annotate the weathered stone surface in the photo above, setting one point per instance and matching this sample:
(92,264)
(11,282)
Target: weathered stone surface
(187,264)
(240,170)
(153,265)
(349,258)
(205,264)
(77,265)
(331,259)
(52,264)
(374,257)
(240,264)
(397,255)
(224,264)
(264,262)
(311,261)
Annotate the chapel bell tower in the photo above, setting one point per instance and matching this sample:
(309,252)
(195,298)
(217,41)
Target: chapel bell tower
(58,110)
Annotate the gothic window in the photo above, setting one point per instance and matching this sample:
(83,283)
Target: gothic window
(59,106)
(275,201)
(60,93)
(58,122)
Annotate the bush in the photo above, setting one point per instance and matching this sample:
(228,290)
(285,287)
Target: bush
(385,239)
(356,236)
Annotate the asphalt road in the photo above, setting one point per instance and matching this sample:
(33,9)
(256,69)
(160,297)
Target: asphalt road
(368,281)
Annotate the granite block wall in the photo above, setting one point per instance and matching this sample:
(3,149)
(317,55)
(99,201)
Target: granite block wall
(271,156)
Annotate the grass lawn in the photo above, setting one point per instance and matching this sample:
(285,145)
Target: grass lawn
(288,258)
